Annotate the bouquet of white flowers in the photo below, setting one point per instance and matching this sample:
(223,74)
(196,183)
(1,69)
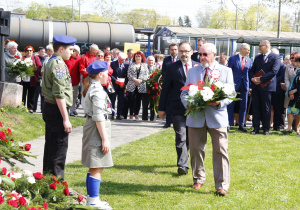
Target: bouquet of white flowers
(201,94)
(22,68)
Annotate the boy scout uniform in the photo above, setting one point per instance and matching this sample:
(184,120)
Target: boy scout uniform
(56,84)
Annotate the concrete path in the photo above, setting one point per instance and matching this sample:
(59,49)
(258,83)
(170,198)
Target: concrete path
(123,131)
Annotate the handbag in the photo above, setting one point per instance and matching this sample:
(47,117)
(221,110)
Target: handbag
(110,88)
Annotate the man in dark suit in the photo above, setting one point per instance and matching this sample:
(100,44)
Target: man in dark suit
(195,56)
(277,99)
(261,96)
(173,81)
(240,65)
(173,49)
(120,71)
(130,53)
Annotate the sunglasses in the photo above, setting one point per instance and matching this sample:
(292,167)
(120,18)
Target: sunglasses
(100,55)
(292,58)
(204,54)
(28,50)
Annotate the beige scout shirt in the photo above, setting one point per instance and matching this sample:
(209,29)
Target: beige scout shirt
(97,102)
(56,81)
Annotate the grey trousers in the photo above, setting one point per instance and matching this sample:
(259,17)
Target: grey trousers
(197,141)
(181,140)
(75,95)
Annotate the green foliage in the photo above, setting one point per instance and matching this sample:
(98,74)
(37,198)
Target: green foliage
(36,10)
(187,21)
(180,21)
(22,68)
(153,85)
(222,18)
(147,18)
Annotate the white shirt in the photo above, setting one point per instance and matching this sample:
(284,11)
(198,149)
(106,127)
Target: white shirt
(189,66)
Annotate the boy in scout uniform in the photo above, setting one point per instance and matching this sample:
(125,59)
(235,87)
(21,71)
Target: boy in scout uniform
(57,89)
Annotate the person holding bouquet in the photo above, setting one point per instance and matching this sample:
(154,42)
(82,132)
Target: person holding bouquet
(212,119)
(96,154)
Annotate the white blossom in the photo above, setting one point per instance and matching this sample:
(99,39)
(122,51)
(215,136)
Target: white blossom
(219,84)
(207,93)
(22,62)
(15,175)
(228,89)
(27,173)
(193,90)
(31,179)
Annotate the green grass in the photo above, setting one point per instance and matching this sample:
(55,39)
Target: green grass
(26,126)
(264,175)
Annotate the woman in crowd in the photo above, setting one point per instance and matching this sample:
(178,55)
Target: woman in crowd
(100,55)
(30,83)
(159,58)
(136,87)
(293,94)
(49,51)
(290,72)
(109,87)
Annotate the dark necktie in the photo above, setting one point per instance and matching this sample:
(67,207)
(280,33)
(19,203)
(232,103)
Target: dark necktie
(206,73)
(243,63)
(174,59)
(186,68)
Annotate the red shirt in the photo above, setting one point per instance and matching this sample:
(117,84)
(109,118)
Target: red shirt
(85,61)
(110,72)
(73,66)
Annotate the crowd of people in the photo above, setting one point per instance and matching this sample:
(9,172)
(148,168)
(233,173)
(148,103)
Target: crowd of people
(268,88)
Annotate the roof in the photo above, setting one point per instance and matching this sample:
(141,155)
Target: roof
(226,33)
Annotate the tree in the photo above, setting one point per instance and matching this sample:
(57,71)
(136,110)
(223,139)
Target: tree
(203,18)
(145,18)
(36,10)
(63,13)
(187,21)
(180,21)
(222,18)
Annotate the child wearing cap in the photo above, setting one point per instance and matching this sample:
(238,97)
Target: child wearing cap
(57,90)
(96,153)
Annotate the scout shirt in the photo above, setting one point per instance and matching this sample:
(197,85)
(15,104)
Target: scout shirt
(57,81)
(97,103)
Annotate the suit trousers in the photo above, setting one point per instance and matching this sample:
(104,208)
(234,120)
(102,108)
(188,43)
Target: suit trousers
(29,93)
(197,142)
(261,108)
(120,93)
(56,141)
(181,140)
(243,106)
(277,102)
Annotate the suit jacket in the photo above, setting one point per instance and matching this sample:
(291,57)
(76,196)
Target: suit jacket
(240,77)
(167,61)
(213,116)
(119,72)
(172,83)
(143,75)
(195,57)
(280,78)
(270,66)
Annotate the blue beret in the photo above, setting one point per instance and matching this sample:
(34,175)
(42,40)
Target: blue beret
(281,55)
(97,67)
(64,39)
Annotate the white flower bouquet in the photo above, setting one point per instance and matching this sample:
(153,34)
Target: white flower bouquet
(22,68)
(201,94)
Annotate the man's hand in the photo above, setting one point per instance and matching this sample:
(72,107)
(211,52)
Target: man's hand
(215,103)
(105,147)
(256,80)
(67,126)
(250,92)
(162,114)
(283,86)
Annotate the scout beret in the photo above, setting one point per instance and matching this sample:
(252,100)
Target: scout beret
(97,67)
(280,55)
(64,39)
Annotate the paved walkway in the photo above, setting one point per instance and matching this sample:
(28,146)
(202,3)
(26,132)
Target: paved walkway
(123,131)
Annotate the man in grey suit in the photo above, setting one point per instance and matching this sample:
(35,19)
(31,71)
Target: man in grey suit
(213,118)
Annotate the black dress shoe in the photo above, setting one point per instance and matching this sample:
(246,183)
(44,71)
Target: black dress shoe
(241,128)
(254,132)
(276,129)
(118,118)
(266,133)
(182,170)
(167,125)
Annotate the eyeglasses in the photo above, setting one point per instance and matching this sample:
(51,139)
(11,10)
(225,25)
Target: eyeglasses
(28,50)
(204,54)
(184,52)
(100,55)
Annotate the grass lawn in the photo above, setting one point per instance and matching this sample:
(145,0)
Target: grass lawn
(19,120)
(264,175)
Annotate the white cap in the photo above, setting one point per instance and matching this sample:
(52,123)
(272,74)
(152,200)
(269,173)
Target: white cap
(77,48)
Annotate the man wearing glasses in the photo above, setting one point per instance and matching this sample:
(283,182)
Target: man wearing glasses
(213,119)
(269,62)
(174,80)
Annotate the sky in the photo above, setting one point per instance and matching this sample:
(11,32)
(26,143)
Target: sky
(171,8)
